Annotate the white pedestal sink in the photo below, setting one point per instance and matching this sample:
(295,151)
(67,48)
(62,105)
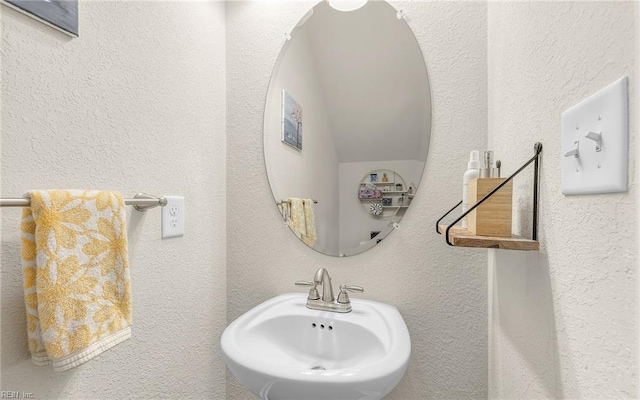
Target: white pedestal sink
(283,350)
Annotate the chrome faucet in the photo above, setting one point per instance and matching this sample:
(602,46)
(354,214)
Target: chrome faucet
(328,301)
(322,278)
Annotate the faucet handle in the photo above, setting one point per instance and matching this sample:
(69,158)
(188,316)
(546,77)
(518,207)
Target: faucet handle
(313,292)
(343,296)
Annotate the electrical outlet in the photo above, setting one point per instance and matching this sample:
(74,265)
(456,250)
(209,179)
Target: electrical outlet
(173,217)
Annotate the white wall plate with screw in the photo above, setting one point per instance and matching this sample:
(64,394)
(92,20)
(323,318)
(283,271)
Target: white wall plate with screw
(594,142)
(173,217)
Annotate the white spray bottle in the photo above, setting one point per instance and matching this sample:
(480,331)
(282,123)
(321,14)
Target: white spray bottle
(473,171)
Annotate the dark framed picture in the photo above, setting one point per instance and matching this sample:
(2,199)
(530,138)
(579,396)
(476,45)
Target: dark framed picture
(291,121)
(59,14)
(387,201)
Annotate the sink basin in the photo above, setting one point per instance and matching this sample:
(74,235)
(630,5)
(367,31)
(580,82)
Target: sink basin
(283,350)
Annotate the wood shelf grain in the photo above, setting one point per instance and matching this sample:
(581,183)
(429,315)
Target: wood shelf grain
(463,238)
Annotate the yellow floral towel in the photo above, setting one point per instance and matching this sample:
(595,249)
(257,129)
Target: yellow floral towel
(284,208)
(302,221)
(296,214)
(311,236)
(76,275)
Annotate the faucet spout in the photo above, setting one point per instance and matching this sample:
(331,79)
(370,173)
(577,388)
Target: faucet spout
(322,278)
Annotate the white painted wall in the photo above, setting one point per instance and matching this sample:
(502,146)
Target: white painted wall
(378,113)
(356,223)
(637,24)
(440,291)
(135,104)
(312,172)
(562,322)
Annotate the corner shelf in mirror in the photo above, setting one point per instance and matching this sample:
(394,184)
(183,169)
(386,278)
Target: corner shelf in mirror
(460,237)
(383,196)
(393,202)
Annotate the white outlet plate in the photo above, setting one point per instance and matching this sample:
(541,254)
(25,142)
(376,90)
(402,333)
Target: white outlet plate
(173,217)
(593,171)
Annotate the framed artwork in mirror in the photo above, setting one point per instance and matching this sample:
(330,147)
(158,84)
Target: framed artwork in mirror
(291,121)
(59,14)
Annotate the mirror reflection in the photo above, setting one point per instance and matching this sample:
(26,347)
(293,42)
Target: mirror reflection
(347,126)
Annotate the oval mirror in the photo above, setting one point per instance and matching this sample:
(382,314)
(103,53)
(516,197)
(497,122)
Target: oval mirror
(347,126)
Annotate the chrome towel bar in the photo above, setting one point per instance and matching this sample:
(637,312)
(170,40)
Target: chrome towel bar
(287,201)
(140,202)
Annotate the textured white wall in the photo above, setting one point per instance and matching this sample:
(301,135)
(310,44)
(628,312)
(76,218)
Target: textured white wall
(562,321)
(135,104)
(312,172)
(637,24)
(440,291)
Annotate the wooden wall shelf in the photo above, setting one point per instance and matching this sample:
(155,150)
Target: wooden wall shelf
(457,236)
(461,237)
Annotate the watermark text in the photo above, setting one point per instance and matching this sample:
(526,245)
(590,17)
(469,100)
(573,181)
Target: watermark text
(16,394)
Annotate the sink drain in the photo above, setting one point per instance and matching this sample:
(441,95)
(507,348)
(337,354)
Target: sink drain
(318,368)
